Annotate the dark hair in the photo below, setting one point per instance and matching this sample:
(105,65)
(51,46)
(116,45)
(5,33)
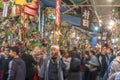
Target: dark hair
(75,48)
(72,53)
(87,53)
(93,52)
(15,49)
(7,48)
(62,52)
(111,51)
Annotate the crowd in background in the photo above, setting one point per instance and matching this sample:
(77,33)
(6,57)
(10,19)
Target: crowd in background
(58,64)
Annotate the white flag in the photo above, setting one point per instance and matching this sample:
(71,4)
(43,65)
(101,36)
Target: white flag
(5,9)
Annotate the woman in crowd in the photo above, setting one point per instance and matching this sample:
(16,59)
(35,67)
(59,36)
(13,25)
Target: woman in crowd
(74,71)
(85,68)
(30,63)
(93,66)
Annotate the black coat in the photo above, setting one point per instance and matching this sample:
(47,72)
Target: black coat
(30,62)
(6,68)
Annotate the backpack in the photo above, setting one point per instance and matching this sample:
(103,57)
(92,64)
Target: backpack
(75,65)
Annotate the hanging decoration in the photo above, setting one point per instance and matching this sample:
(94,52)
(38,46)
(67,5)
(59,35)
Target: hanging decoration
(24,2)
(31,10)
(86,18)
(57,21)
(51,13)
(5,9)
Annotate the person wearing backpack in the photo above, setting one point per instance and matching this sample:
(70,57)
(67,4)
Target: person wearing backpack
(74,71)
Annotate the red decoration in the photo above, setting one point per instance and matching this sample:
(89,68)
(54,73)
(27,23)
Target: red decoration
(31,9)
(11,23)
(24,31)
(57,22)
(18,10)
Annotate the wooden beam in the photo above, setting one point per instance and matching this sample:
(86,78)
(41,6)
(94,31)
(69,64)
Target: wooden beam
(69,10)
(84,2)
(103,5)
(73,7)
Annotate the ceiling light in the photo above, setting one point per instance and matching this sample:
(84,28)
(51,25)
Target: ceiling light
(96,28)
(111,23)
(110,1)
(110,27)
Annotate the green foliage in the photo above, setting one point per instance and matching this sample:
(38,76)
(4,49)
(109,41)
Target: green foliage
(1,4)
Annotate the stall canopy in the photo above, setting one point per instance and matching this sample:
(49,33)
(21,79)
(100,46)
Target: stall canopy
(71,19)
(52,3)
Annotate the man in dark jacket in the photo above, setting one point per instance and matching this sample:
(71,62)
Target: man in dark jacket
(17,68)
(103,64)
(30,62)
(5,64)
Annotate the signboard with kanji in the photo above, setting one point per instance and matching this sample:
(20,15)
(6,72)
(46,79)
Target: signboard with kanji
(86,18)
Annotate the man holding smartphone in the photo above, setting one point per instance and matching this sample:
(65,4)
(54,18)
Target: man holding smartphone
(53,67)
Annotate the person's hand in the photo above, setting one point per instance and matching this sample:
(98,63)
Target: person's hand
(88,65)
(59,55)
(38,68)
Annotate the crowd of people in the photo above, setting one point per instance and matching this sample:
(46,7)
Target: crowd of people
(59,64)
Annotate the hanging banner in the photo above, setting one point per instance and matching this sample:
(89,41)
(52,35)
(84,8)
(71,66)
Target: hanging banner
(57,21)
(94,41)
(5,9)
(104,35)
(86,18)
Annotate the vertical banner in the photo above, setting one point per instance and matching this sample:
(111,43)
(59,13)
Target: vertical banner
(94,41)
(57,21)
(43,18)
(86,18)
(39,25)
(5,9)
(104,36)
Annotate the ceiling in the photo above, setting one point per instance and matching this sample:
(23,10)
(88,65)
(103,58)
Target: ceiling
(104,12)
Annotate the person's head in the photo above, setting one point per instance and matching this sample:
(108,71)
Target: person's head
(92,53)
(72,53)
(6,44)
(54,51)
(14,51)
(6,50)
(2,49)
(108,51)
(118,57)
(75,48)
